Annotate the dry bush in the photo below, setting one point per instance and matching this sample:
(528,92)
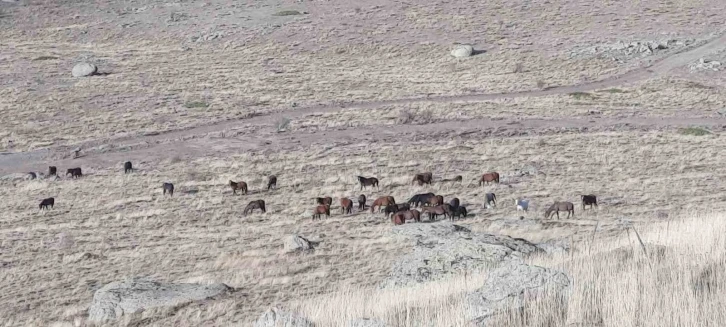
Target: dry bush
(420,117)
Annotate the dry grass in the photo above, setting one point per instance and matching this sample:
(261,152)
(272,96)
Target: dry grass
(614,283)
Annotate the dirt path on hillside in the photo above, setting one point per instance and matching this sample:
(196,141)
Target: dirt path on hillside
(205,140)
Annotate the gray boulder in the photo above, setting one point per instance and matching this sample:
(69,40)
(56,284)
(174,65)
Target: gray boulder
(276,317)
(84,69)
(296,243)
(366,322)
(462,51)
(443,249)
(136,294)
(507,285)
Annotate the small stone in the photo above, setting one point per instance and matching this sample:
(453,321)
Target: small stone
(462,51)
(84,69)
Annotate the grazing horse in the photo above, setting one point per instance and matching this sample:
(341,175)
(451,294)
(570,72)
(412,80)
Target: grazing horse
(322,209)
(490,199)
(460,211)
(398,218)
(32,175)
(458,178)
(168,187)
(382,202)
(590,200)
(361,202)
(128,167)
(393,208)
(75,172)
(346,205)
(419,199)
(368,181)
(454,203)
(326,201)
(242,186)
(52,171)
(414,215)
(424,178)
(45,203)
(487,178)
(444,209)
(256,204)
(436,200)
(272,182)
(522,205)
(560,206)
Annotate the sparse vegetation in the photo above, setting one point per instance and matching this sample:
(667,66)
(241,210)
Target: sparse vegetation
(42,58)
(582,96)
(694,131)
(407,116)
(288,13)
(613,90)
(196,104)
(282,124)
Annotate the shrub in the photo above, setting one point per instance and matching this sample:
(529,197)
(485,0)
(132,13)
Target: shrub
(695,131)
(581,95)
(282,124)
(196,104)
(287,13)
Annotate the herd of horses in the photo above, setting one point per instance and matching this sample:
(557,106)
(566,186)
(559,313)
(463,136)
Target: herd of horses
(427,203)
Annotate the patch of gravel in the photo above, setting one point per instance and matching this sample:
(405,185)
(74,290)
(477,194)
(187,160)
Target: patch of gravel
(623,51)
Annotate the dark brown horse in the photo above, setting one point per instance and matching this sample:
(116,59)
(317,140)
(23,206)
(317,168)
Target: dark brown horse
(128,168)
(326,201)
(46,202)
(460,211)
(272,182)
(487,178)
(52,171)
(414,215)
(256,204)
(398,218)
(590,200)
(560,206)
(361,202)
(242,186)
(423,178)
(458,178)
(382,202)
(454,203)
(393,208)
(168,187)
(346,205)
(444,209)
(420,199)
(74,172)
(368,181)
(321,210)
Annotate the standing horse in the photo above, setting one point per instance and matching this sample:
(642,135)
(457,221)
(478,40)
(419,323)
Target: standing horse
(168,187)
(423,178)
(368,181)
(590,200)
(487,178)
(321,210)
(128,168)
(242,186)
(272,182)
(346,205)
(382,202)
(560,206)
(361,202)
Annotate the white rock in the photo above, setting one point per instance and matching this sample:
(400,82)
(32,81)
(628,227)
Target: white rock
(463,50)
(135,294)
(294,243)
(84,69)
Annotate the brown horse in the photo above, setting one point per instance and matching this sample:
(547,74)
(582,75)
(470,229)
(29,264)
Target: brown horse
(420,199)
(414,215)
(272,182)
(368,181)
(346,205)
(382,202)
(256,204)
(454,203)
(487,178)
(242,186)
(560,206)
(326,201)
(321,210)
(444,209)
(398,218)
(458,178)
(423,178)
(436,200)
(361,202)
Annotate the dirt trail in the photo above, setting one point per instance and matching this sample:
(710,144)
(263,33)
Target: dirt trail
(188,143)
